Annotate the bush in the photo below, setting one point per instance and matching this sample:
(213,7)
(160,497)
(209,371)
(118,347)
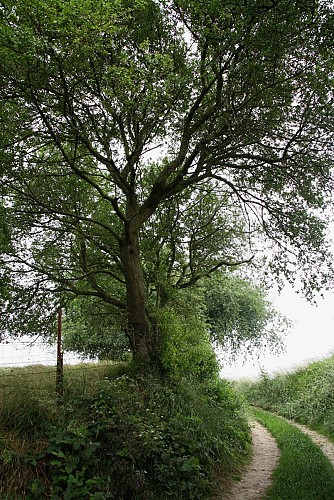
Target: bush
(134,437)
(164,440)
(186,348)
(306,395)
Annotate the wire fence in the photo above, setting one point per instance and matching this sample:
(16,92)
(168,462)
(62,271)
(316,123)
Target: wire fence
(32,351)
(29,364)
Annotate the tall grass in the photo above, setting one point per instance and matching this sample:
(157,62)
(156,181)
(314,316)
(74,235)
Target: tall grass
(28,399)
(305,395)
(30,411)
(117,434)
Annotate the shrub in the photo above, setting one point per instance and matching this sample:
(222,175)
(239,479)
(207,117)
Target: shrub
(129,436)
(186,349)
(306,395)
(168,438)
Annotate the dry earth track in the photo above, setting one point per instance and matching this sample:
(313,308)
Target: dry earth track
(257,476)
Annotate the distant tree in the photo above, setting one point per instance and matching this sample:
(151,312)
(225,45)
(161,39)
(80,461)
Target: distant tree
(240,316)
(183,130)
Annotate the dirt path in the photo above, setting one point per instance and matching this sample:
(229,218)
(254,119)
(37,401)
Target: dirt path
(326,446)
(257,477)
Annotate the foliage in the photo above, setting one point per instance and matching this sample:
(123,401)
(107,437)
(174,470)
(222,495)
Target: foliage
(71,457)
(147,144)
(186,350)
(225,310)
(240,316)
(305,395)
(129,436)
(94,330)
(30,412)
(303,471)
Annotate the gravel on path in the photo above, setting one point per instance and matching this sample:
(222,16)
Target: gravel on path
(257,477)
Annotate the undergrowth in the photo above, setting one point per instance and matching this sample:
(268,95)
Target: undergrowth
(305,395)
(117,434)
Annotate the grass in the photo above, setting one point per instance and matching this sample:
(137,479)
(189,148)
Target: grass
(164,440)
(303,472)
(305,395)
(29,412)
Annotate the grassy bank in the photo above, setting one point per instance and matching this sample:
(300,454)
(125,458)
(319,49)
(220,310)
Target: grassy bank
(305,395)
(303,471)
(117,434)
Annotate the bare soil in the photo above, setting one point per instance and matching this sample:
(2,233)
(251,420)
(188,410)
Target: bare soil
(326,446)
(257,476)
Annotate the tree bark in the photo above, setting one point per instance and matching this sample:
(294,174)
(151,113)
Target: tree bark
(139,330)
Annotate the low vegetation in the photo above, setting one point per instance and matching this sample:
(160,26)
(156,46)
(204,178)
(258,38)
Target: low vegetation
(305,395)
(116,434)
(303,471)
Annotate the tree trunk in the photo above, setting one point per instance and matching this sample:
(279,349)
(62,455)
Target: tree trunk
(139,331)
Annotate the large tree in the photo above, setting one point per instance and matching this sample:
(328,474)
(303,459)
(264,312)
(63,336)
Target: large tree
(145,144)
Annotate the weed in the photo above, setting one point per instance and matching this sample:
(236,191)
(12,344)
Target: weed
(70,458)
(119,434)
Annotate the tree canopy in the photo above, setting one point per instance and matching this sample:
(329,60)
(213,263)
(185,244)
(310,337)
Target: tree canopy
(226,311)
(146,144)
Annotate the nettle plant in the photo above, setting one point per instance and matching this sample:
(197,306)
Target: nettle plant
(70,459)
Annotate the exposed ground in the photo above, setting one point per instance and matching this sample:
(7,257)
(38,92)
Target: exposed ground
(326,446)
(257,477)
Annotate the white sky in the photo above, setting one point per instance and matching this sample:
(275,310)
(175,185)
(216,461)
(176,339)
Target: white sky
(311,336)
(29,351)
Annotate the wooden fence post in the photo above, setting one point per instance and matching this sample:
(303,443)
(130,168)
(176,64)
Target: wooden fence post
(60,364)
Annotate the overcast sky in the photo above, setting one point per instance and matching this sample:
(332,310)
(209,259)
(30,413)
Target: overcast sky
(311,336)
